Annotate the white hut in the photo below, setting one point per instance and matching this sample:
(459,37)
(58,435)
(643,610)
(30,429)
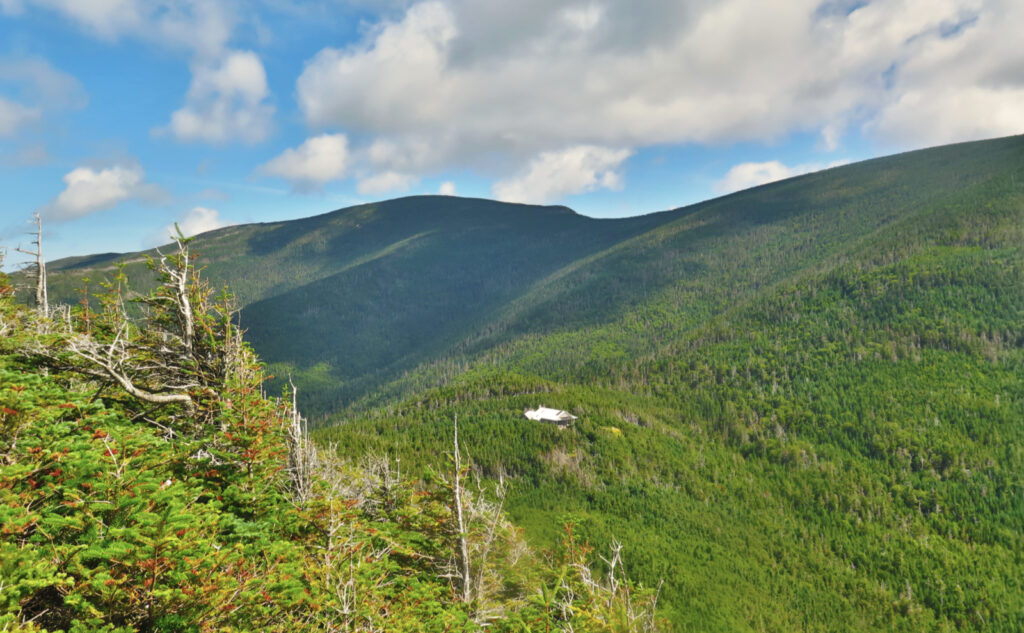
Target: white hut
(555,416)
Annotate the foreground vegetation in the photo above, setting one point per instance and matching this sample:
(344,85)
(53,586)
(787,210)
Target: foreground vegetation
(146,484)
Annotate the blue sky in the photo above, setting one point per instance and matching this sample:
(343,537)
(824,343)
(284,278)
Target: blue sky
(121,117)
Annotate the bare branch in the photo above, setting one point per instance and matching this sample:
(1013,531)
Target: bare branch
(111,359)
(42,302)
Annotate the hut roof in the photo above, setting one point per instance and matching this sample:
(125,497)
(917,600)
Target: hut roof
(544,414)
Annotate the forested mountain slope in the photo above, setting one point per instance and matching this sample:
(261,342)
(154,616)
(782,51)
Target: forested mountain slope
(799,405)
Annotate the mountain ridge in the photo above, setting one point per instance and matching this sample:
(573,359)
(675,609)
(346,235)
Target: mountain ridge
(386,240)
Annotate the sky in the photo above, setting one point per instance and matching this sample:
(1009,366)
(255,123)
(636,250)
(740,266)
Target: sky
(119,118)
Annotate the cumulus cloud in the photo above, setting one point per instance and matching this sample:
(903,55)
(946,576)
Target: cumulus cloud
(940,115)
(555,174)
(385,182)
(495,85)
(398,71)
(198,220)
(226,101)
(447,188)
(317,161)
(479,78)
(747,175)
(325,158)
(964,81)
(87,190)
(406,154)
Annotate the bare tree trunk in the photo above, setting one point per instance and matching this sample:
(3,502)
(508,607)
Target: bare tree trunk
(42,302)
(492,530)
(467,584)
(302,454)
(179,281)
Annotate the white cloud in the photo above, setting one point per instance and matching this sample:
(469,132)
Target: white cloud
(935,114)
(443,84)
(105,18)
(317,161)
(198,220)
(11,7)
(583,18)
(43,84)
(491,85)
(226,101)
(36,88)
(965,85)
(212,193)
(384,182)
(831,134)
(14,116)
(409,153)
(397,73)
(447,188)
(27,156)
(199,26)
(88,190)
(747,175)
(202,26)
(552,175)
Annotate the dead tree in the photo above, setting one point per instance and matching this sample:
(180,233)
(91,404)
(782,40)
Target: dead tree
(42,303)
(303,457)
(5,290)
(467,583)
(485,545)
(153,361)
(181,351)
(491,516)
